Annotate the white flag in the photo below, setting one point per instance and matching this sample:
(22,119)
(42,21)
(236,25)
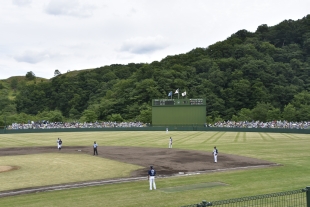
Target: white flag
(176,91)
(184,93)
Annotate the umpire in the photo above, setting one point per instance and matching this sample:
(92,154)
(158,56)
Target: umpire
(95,148)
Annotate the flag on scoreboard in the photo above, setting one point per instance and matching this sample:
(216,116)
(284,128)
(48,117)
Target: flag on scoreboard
(176,91)
(170,93)
(184,93)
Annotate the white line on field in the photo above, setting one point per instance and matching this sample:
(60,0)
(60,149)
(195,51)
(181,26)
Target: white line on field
(120,180)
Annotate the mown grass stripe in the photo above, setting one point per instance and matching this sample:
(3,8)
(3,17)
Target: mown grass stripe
(286,135)
(217,138)
(18,141)
(293,136)
(190,137)
(244,137)
(262,136)
(211,137)
(237,137)
(268,135)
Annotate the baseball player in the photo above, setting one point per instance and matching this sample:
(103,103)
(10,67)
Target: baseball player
(170,142)
(151,177)
(59,144)
(95,148)
(215,152)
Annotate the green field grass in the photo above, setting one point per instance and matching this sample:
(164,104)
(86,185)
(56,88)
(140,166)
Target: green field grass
(289,150)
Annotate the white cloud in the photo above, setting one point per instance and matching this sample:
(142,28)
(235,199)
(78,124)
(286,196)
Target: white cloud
(69,8)
(32,57)
(140,45)
(21,2)
(44,35)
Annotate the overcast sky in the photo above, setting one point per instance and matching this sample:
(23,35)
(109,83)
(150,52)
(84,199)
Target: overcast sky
(44,35)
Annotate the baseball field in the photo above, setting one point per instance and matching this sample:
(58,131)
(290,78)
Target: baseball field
(248,164)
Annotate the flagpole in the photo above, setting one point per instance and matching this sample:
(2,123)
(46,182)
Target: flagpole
(178,93)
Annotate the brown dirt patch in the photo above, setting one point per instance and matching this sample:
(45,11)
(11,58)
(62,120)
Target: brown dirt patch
(7,168)
(165,161)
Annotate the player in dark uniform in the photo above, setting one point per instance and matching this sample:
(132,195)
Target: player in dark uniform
(95,148)
(151,177)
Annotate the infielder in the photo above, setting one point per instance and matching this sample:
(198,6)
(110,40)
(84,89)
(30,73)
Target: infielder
(151,177)
(95,148)
(58,143)
(170,142)
(215,152)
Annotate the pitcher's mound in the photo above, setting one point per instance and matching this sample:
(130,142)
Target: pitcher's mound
(6,168)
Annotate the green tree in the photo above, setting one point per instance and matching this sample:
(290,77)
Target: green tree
(260,112)
(30,75)
(289,113)
(14,83)
(302,98)
(302,113)
(245,115)
(89,116)
(74,114)
(57,72)
(274,114)
(115,117)
(145,115)
(56,116)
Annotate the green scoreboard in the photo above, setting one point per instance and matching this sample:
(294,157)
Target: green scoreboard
(183,112)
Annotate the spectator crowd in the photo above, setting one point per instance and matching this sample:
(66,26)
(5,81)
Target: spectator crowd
(62,125)
(223,124)
(259,124)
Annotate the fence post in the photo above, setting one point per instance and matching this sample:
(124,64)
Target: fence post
(308,195)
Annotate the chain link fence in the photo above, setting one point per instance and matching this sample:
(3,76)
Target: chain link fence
(294,198)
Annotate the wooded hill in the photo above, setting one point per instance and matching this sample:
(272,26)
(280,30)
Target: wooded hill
(249,76)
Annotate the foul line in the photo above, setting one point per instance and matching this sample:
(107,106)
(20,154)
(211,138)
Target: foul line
(120,180)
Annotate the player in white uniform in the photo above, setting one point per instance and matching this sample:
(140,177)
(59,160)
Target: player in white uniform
(170,142)
(215,152)
(58,143)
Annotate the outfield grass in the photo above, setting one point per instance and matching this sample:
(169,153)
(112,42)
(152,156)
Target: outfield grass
(49,169)
(289,150)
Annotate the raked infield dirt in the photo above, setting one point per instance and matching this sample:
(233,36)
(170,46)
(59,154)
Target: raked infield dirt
(167,162)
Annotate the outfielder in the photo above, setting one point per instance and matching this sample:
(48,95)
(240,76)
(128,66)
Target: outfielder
(170,142)
(215,152)
(58,143)
(151,177)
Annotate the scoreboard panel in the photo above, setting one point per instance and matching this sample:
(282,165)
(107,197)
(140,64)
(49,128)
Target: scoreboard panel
(167,112)
(165,102)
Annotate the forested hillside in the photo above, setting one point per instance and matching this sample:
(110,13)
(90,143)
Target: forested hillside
(249,76)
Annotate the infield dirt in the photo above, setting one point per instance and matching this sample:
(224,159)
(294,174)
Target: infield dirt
(165,161)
